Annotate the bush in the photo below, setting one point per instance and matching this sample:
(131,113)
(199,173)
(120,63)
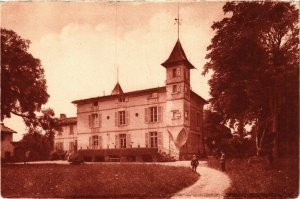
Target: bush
(58,155)
(75,158)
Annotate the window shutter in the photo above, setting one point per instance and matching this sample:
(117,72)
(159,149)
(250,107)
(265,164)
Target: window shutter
(100,142)
(127,117)
(146,139)
(100,119)
(146,115)
(160,141)
(159,114)
(90,120)
(117,141)
(116,119)
(90,142)
(128,140)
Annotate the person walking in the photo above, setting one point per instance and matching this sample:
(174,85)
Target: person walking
(194,163)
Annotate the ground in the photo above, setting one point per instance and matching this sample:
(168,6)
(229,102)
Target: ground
(122,180)
(174,182)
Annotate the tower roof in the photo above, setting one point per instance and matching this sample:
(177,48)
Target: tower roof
(177,56)
(117,89)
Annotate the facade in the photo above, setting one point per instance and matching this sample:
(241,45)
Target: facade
(7,148)
(66,138)
(167,119)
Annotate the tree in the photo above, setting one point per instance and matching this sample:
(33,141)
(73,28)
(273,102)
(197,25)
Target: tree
(40,136)
(255,62)
(23,84)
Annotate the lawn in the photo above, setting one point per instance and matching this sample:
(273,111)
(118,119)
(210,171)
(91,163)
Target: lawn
(94,180)
(260,180)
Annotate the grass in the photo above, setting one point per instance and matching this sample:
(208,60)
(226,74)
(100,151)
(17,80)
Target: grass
(259,180)
(94,180)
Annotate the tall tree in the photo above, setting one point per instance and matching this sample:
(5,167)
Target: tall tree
(23,84)
(254,58)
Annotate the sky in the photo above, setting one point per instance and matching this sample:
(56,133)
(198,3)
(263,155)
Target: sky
(80,45)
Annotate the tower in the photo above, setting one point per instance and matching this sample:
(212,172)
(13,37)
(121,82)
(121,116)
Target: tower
(178,97)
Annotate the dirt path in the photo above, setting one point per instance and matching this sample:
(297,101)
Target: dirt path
(212,182)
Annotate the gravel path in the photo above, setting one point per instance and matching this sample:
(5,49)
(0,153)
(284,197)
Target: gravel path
(211,184)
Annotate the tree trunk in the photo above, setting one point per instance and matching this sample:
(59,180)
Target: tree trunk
(275,134)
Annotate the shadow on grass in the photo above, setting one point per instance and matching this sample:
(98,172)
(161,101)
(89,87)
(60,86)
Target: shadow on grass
(259,180)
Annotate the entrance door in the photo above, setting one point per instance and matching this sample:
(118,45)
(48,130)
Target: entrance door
(123,140)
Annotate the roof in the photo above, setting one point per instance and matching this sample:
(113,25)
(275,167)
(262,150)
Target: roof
(117,89)
(6,129)
(177,56)
(132,93)
(137,92)
(68,120)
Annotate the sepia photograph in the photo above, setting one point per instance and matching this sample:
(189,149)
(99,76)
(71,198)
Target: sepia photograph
(149,99)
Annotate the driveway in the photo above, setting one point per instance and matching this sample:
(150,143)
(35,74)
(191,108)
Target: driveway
(211,184)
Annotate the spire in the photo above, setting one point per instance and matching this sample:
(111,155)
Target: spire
(178,20)
(177,56)
(117,90)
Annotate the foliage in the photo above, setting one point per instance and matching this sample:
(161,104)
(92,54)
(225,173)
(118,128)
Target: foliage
(255,63)
(23,84)
(256,180)
(39,139)
(94,181)
(75,158)
(58,155)
(37,144)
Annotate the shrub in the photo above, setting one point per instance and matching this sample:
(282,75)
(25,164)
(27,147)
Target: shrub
(75,158)
(58,155)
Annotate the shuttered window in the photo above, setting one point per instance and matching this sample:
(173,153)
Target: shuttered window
(146,139)
(153,114)
(95,120)
(122,118)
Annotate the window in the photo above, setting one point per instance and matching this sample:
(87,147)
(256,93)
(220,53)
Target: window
(121,99)
(60,131)
(176,72)
(186,115)
(95,143)
(176,114)
(121,118)
(94,120)
(175,88)
(59,146)
(71,146)
(153,114)
(123,140)
(71,129)
(153,139)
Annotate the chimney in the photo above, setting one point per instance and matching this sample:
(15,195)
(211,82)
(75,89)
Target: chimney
(63,116)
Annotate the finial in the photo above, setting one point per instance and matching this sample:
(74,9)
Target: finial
(178,20)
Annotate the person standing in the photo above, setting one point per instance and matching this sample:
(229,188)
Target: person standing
(222,161)
(194,163)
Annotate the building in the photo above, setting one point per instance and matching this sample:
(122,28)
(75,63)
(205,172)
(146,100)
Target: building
(66,138)
(163,120)
(7,148)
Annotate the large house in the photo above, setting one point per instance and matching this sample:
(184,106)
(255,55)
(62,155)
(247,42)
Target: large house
(162,120)
(7,148)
